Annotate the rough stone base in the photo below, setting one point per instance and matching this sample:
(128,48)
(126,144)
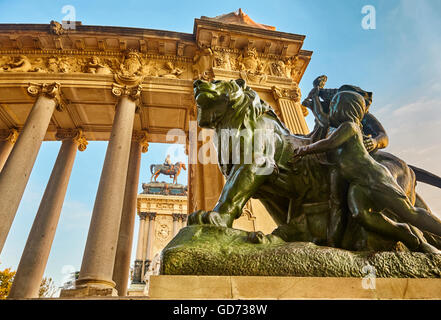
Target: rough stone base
(211,250)
(88,292)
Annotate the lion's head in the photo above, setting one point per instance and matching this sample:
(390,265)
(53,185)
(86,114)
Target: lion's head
(230,102)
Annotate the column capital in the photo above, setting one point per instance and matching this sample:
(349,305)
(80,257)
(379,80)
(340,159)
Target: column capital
(132,92)
(176,216)
(286,93)
(10,135)
(142,138)
(183,217)
(76,135)
(49,90)
(151,215)
(142,215)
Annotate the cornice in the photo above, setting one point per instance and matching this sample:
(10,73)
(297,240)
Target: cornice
(248,30)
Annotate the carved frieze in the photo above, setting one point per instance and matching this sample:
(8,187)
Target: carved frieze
(130,69)
(203,62)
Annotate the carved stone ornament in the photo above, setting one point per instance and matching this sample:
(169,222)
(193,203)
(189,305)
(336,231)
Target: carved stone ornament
(80,140)
(251,67)
(76,135)
(19,63)
(142,138)
(223,60)
(284,93)
(52,91)
(133,92)
(56,28)
(130,70)
(11,136)
(163,232)
(94,65)
(203,62)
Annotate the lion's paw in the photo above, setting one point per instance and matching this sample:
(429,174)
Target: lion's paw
(208,217)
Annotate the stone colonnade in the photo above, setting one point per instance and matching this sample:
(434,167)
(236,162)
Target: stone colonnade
(106,259)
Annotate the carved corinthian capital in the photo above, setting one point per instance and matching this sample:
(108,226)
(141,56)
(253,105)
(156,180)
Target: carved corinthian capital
(132,92)
(10,136)
(76,135)
(284,93)
(51,90)
(142,138)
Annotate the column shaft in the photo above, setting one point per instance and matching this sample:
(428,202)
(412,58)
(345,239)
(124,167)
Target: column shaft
(99,254)
(139,261)
(5,150)
(150,237)
(139,246)
(125,238)
(145,238)
(35,255)
(18,167)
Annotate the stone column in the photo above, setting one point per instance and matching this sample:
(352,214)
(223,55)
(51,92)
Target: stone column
(18,167)
(139,249)
(291,111)
(144,244)
(6,144)
(150,238)
(183,220)
(125,238)
(176,218)
(139,246)
(35,255)
(96,272)
(205,179)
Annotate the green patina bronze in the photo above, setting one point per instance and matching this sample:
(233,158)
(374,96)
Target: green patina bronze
(304,188)
(212,250)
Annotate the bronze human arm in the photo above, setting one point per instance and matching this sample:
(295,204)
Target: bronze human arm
(345,131)
(375,136)
(317,109)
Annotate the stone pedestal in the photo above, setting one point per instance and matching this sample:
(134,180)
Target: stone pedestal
(280,288)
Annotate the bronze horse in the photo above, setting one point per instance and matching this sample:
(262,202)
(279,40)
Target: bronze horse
(173,171)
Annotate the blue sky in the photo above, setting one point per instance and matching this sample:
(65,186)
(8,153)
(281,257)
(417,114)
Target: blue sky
(398,61)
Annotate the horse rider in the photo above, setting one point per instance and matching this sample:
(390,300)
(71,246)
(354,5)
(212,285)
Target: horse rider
(167,162)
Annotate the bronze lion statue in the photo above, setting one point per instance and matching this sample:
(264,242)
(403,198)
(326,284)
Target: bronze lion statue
(295,195)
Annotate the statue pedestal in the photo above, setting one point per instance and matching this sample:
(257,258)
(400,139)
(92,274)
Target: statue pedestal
(210,250)
(210,262)
(239,287)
